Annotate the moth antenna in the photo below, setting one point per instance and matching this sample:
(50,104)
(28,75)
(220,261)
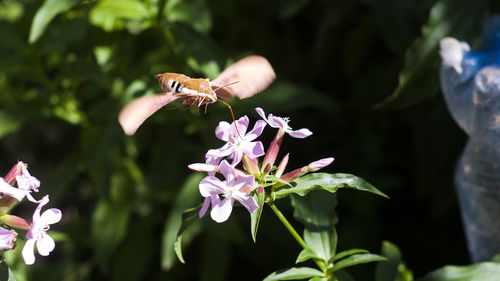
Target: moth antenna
(225,85)
(232,115)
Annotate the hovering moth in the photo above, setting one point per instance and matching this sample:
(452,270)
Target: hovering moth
(242,79)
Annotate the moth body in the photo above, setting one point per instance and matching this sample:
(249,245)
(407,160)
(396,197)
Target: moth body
(192,91)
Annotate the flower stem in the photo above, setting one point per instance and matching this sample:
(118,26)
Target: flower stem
(293,232)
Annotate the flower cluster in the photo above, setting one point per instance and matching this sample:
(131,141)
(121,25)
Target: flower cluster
(37,229)
(242,147)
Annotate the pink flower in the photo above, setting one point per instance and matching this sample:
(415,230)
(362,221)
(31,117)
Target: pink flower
(27,182)
(238,142)
(7,239)
(7,189)
(282,124)
(234,187)
(37,233)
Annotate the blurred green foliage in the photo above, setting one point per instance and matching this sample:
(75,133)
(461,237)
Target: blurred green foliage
(67,67)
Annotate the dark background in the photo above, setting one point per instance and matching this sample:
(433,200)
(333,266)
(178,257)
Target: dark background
(337,65)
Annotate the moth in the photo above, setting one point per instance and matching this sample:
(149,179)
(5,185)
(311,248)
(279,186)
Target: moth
(242,79)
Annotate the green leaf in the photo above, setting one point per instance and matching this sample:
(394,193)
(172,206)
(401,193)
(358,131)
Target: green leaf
(187,196)
(193,12)
(114,14)
(419,78)
(328,182)
(485,271)
(294,273)
(357,259)
(47,12)
(277,180)
(393,268)
(317,212)
(188,218)
(347,253)
(5,272)
(305,255)
(255,216)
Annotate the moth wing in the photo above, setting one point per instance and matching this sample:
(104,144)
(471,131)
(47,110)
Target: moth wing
(139,109)
(253,74)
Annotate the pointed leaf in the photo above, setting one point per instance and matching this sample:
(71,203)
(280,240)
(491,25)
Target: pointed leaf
(347,253)
(357,259)
(305,255)
(187,196)
(393,268)
(47,12)
(317,212)
(419,78)
(294,273)
(255,216)
(485,271)
(328,182)
(188,218)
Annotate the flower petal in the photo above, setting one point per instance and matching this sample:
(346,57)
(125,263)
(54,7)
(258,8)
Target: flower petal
(204,208)
(261,112)
(277,122)
(223,131)
(211,185)
(256,131)
(11,191)
(253,149)
(45,244)
(202,167)
(227,170)
(242,124)
(36,214)
(249,203)
(300,134)
(51,216)
(243,181)
(222,210)
(28,252)
(224,151)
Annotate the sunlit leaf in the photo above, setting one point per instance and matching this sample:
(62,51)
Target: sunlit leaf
(294,273)
(255,216)
(47,12)
(419,78)
(305,254)
(357,259)
(193,12)
(328,182)
(115,14)
(485,271)
(187,196)
(188,218)
(347,253)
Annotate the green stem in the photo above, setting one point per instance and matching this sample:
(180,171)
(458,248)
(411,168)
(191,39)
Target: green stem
(292,231)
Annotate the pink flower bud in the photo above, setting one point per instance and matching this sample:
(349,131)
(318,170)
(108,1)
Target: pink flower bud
(272,152)
(282,165)
(15,222)
(316,165)
(251,165)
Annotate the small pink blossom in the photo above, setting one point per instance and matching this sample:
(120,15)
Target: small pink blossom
(312,167)
(27,182)
(238,142)
(7,239)
(37,233)
(282,124)
(234,187)
(7,189)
